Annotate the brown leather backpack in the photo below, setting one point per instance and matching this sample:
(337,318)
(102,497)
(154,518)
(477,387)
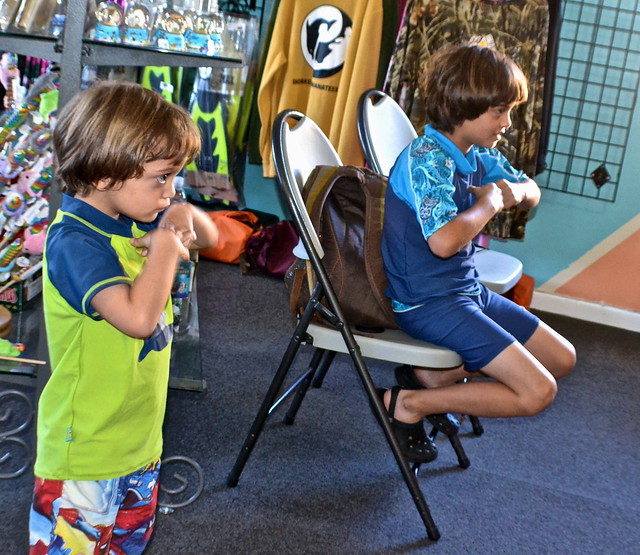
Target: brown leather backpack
(346,205)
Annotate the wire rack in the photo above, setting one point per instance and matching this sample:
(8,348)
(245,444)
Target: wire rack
(596,87)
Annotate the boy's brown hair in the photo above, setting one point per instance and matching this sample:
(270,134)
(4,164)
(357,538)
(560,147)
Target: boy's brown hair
(111,130)
(465,81)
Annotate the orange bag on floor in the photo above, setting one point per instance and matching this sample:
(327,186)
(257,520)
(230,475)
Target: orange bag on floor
(522,292)
(234,228)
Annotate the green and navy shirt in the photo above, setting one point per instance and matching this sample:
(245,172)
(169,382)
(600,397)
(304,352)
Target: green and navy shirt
(100,414)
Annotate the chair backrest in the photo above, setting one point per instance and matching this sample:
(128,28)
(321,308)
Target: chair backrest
(297,150)
(384,130)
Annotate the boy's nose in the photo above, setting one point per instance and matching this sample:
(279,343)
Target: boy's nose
(170,190)
(506,120)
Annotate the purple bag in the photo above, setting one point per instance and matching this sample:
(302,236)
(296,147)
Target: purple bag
(269,249)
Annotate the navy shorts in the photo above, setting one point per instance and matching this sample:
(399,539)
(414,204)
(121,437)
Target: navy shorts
(477,327)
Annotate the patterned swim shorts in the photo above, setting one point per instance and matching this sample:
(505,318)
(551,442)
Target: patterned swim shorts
(96,516)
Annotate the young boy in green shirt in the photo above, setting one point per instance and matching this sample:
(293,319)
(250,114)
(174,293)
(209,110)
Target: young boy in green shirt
(110,259)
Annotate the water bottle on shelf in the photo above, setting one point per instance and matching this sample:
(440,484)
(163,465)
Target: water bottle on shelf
(217,29)
(7,11)
(34,16)
(56,27)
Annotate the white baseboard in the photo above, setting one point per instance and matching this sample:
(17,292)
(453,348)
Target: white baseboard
(586,310)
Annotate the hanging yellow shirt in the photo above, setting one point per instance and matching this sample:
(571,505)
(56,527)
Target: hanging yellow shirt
(321,58)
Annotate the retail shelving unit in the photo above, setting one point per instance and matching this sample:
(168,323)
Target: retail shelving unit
(71,52)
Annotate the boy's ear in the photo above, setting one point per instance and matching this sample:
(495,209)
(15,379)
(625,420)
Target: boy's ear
(102,185)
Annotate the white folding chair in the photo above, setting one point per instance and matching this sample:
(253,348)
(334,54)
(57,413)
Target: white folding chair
(385,130)
(298,149)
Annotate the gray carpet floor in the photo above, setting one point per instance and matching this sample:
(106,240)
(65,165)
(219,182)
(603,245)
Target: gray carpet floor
(564,481)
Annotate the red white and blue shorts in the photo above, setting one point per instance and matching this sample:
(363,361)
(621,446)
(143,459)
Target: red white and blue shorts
(100,517)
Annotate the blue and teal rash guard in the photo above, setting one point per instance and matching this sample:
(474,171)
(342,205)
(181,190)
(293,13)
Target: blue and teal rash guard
(428,187)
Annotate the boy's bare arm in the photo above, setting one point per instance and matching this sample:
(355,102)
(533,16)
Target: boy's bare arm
(206,231)
(135,310)
(454,235)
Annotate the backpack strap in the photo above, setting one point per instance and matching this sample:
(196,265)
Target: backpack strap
(374,187)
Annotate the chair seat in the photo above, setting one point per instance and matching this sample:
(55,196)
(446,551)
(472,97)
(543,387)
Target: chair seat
(498,271)
(389,345)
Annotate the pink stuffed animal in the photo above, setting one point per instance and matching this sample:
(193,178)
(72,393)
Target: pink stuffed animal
(34,239)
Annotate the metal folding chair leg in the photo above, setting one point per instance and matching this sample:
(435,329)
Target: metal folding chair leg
(302,386)
(476,425)
(454,439)
(380,412)
(270,398)
(326,361)
(314,377)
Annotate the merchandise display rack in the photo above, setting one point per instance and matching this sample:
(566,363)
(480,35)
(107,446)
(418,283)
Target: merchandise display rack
(596,90)
(72,51)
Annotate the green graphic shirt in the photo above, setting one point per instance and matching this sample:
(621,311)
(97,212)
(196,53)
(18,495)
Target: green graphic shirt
(100,414)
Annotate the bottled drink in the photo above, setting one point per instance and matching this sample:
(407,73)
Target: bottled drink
(7,11)
(34,16)
(56,27)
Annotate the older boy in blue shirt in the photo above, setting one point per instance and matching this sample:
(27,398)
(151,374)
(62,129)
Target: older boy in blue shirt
(445,186)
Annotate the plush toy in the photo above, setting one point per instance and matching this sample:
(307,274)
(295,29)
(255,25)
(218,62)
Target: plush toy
(34,238)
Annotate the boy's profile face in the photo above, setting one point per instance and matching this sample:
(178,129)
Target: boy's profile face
(486,130)
(139,198)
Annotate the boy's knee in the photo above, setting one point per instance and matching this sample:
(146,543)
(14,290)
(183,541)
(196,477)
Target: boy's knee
(541,398)
(567,361)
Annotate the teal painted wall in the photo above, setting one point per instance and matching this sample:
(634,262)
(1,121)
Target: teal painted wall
(563,228)
(262,193)
(567,226)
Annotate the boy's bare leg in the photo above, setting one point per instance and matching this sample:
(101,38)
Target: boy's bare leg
(432,378)
(522,387)
(554,352)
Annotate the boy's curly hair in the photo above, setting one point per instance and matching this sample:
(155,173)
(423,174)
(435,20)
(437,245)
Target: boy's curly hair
(111,130)
(465,81)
